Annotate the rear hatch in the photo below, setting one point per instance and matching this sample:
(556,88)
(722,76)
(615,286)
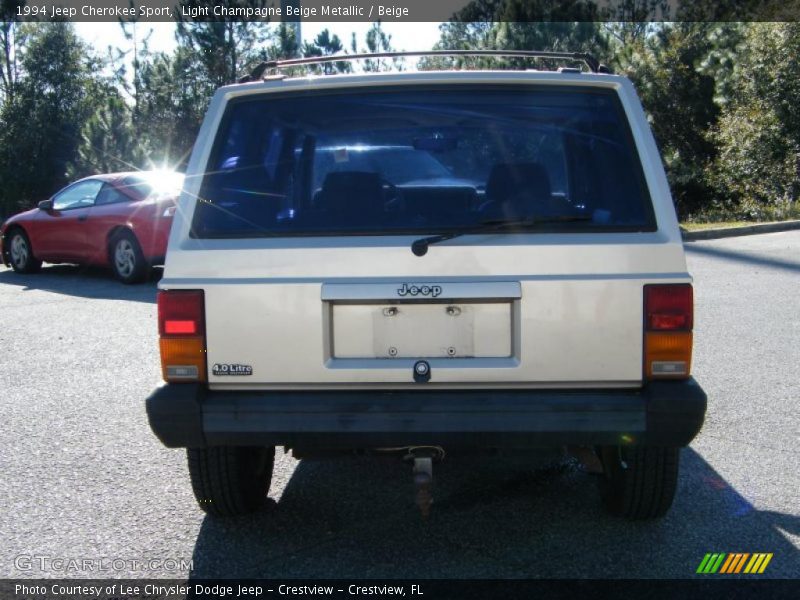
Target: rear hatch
(543,227)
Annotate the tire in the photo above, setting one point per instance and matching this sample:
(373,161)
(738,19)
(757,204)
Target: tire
(126,257)
(20,253)
(639,481)
(228,481)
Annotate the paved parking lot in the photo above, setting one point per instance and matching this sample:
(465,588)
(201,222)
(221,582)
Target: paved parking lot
(83,477)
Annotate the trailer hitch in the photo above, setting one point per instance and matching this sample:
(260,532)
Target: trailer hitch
(423,458)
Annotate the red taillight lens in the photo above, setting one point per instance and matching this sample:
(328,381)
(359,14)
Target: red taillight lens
(180,312)
(669,307)
(181,326)
(175,327)
(668,322)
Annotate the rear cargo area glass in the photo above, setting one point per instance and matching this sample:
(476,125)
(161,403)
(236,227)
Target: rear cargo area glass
(423,160)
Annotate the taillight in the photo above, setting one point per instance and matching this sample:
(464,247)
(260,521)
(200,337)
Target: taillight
(181,329)
(668,322)
(669,307)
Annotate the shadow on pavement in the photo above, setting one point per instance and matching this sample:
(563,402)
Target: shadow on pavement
(84,282)
(490,519)
(745,257)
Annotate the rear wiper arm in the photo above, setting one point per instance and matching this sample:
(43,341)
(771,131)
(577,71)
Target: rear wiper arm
(420,247)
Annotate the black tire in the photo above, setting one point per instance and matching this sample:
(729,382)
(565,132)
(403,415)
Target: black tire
(20,252)
(639,482)
(126,258)
(228,481)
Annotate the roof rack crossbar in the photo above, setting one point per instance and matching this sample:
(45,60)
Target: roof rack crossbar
(276,65)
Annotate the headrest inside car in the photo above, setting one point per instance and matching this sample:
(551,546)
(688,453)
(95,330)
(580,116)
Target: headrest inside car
(352,191)
(507,180)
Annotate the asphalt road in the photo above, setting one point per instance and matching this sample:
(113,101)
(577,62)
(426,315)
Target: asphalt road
(82,477)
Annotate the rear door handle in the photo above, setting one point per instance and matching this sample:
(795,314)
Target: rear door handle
(83,217)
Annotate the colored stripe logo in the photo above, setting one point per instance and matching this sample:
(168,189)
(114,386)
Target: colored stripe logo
(733,563)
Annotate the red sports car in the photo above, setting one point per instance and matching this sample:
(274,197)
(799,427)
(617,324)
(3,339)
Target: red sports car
(121,220)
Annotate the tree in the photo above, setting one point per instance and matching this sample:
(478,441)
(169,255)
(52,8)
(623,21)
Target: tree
(327,44)
(175,95)
(57,93)
(546,25)
(757,171)
(10,43)
(140,50)
(578,36)
(680,100)
(379,41)
(286,44)
(630,21)
(227,48)
(108,142)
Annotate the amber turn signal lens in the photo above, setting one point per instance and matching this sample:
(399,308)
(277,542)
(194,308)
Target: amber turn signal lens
(183,359)
(668,354)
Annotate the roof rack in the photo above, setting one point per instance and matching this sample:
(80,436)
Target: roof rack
(276,65)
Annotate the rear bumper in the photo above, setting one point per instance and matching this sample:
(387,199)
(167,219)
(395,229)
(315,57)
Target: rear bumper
(666,413)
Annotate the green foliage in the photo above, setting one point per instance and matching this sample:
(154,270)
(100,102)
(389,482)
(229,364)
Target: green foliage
(10,43)
(107,143)
(679,99)
(379,41)
(757,173)
(723,61)
(327,44)
(286,43)
(175,94)
(511,25)
(225,48)
(43,121)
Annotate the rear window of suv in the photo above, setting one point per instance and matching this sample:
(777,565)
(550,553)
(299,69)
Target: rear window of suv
(423,160)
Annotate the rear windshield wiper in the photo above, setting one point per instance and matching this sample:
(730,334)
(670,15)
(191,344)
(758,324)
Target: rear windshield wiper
(420,247)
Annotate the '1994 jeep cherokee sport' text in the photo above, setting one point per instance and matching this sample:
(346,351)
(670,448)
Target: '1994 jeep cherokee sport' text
(427,261)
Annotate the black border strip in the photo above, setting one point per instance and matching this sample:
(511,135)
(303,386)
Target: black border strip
(398,11)
(706,587)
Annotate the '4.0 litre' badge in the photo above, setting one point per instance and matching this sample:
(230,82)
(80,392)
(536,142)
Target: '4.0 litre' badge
(222,370)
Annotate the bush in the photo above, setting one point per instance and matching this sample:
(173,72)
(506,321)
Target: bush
(756,173)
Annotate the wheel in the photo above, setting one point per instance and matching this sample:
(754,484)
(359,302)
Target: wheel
(21,253)
(127,259)
(639,481)
(228,481)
